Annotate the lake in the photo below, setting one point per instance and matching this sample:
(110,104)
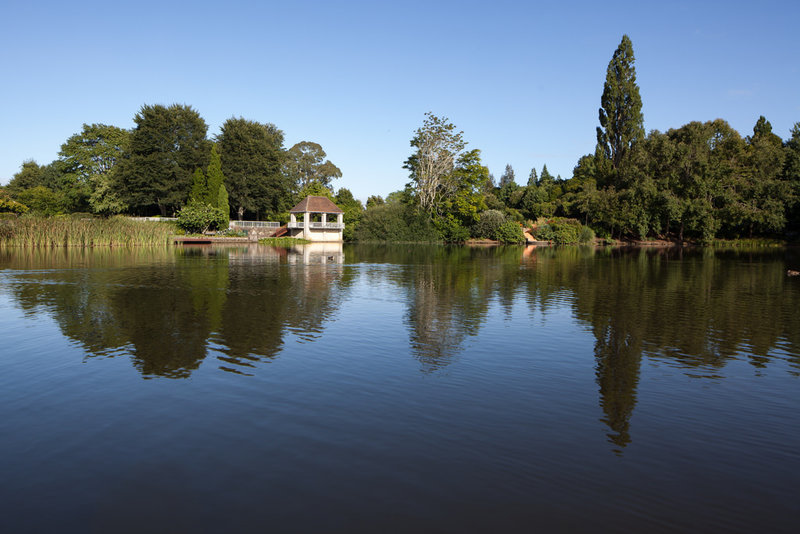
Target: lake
(399,388)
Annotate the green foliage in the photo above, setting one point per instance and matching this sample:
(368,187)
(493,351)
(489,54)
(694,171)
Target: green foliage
(561,231)
(586,235)
(451,229)
(507,177)
(510,232)
(30,175)
(791,176)
(224,207)
(353,211)
(396,222)
(7,205)
(197,218)
(305,163)
(437,146)
(215,178)
(488,224)
(32,231)
(621,121)
(42,201)
(199,187)
(90,160)
(166,147)
(540,197)
(463,197)
(374,200)
(314,189)
(252,161)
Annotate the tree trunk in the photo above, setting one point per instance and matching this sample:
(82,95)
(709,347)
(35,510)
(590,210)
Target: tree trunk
(240,212)
(680,236)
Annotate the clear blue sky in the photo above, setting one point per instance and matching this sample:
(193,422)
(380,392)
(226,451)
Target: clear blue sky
(522,79)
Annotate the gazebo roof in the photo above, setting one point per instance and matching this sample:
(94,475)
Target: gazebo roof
(312,204)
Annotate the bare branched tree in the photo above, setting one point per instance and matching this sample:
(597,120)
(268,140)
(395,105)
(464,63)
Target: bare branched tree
(438,145)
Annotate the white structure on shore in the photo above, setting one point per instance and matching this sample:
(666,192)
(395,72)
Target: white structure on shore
(316,224)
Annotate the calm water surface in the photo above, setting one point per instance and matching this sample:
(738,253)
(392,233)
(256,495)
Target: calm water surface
(383,389)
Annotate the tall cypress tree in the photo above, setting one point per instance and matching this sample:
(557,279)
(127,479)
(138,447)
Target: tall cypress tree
(621,120)
(215,177)
(199,187)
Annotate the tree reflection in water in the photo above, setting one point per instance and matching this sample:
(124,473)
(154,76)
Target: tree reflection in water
(166,307)
(696,310)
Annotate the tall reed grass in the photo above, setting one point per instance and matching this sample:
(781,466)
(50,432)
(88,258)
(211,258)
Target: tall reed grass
(29,231)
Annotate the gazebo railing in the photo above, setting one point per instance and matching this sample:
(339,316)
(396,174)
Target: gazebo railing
(256,224)
(318,225)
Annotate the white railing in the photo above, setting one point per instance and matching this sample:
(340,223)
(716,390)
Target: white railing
(154,219)
(256,224)
(318,225)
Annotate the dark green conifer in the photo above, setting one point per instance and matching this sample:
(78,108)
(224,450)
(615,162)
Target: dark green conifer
(621,120)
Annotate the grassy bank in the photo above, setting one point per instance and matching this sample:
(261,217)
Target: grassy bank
(82,232)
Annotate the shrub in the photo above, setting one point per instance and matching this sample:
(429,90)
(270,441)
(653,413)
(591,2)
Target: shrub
(11,206)
(197,218)
(42,201)
(487,225)
(232,232)
(561,230)
(451,229)
(395,221)
(510,232)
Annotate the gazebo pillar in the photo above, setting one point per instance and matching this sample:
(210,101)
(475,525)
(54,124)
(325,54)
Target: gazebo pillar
(340,218)
(307,226)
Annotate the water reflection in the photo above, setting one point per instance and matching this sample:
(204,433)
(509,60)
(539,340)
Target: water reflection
(172,310)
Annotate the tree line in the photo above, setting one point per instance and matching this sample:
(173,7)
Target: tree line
(700,181)
(167,161)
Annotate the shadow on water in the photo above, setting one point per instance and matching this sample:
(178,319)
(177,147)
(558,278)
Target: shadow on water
(170,309)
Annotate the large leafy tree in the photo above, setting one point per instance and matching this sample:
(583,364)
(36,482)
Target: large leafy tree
(89,160)
(437,147)
(43,188)
(166,147)
(791,175)
(758,194)
(621,120)
(306,162)
(252,160)
(353,210)
(30,175)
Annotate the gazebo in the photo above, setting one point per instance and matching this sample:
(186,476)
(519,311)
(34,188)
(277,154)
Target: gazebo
(315,224)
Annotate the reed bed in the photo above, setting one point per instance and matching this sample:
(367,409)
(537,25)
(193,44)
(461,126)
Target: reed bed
(83,232)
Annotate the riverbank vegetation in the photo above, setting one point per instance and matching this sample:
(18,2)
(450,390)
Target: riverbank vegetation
(82,231)
(698,182)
